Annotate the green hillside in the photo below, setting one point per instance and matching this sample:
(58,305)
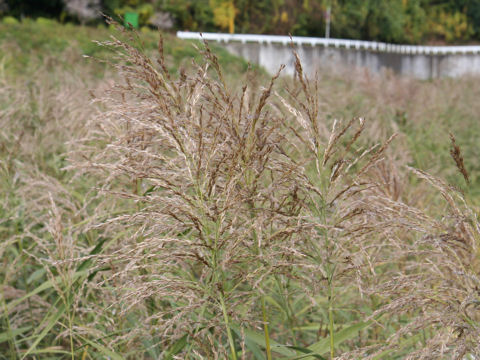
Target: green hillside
(30,43)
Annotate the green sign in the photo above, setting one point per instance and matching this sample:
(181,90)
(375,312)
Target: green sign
(131,20)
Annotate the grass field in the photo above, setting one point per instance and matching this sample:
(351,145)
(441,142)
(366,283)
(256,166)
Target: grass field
(152,207)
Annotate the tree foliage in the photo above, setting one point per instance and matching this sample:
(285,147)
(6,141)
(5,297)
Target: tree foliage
(398,21)
(224,12)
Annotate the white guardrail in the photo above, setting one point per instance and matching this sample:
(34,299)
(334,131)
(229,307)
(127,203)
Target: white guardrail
(337,43)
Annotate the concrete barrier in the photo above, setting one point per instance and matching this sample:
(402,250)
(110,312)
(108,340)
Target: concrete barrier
(423,62)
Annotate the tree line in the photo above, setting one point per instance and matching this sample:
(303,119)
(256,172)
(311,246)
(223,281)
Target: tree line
(397,21)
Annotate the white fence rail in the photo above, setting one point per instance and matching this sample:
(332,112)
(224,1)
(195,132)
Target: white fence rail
(337,43)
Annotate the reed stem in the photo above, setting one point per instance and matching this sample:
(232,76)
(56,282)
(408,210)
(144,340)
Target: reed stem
(227,326)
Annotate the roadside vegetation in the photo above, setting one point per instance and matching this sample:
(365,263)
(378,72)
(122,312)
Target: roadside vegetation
(397,21)
(155,207)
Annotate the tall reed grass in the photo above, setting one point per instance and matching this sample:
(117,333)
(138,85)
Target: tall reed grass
(197,218)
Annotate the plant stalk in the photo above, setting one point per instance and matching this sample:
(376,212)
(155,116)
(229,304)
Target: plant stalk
(330,319)
(227,325)
(265,330)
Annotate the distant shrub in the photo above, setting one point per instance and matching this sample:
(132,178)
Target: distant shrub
(10,20)
(45,22)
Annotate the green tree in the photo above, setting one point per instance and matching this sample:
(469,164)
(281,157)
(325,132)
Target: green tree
(473,13)
(224,12)
(35,8)
(194,15)
(349,18)
(415,21)
(385,21)
(310,20)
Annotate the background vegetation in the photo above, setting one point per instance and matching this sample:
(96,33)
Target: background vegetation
(398,21)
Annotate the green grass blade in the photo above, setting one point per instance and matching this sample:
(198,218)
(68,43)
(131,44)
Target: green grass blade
(340,336)
(308,352)
(46,285)
(81,270)
(36,275)
(51,321)
(50,350)
(176,347)
(7,336)
(273,302)
(406,342)
(97,249)
(259,339)
(250,345)
(323,346)
(103,349)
